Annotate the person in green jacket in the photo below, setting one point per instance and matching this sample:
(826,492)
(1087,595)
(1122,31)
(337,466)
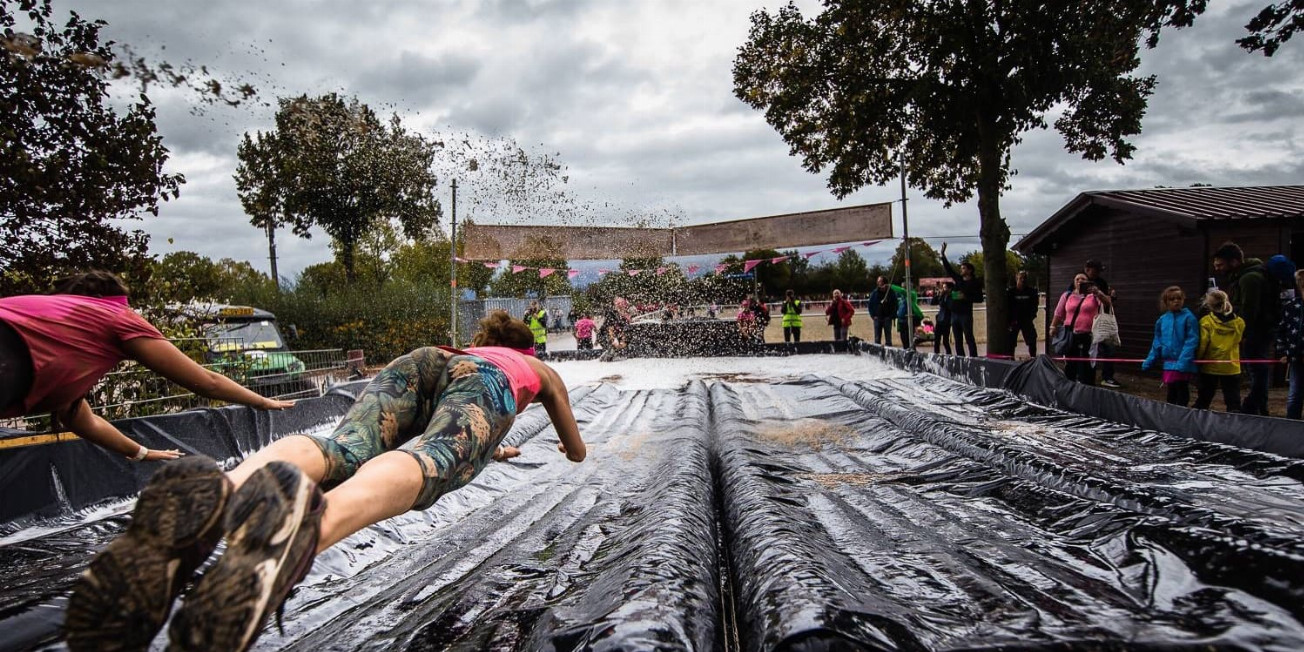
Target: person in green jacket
(537,319)
(1220,339)
(791,318)
(903,326)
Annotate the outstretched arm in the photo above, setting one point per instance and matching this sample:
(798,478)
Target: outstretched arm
(93,428)
(556,400)
(168,361)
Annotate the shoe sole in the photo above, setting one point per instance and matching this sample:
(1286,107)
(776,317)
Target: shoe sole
(122,599)
(230,603)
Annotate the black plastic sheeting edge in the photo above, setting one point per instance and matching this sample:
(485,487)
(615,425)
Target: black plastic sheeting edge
(1041,381)
(61,478)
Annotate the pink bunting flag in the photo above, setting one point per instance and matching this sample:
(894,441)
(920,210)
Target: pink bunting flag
(811,254)
(545,272)
(778,259)
(660,271)
(633,272)
(460,259)
(692,269)
(516,269)
(838,250)
(491,265)
(719,269)
(603,272)
(572,273)
(870,243)
(748,265)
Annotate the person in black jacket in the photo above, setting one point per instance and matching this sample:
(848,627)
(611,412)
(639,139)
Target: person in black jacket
(942,332)
(968,291)
(1023,301)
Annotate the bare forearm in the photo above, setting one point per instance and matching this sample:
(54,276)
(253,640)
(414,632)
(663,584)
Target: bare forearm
(224,389)
(95,429)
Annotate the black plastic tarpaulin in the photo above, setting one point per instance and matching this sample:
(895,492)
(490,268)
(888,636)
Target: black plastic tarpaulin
(791,508)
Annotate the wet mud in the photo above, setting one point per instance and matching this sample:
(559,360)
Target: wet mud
(898,512)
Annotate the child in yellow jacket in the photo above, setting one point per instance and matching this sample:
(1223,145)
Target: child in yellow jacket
(1220,339)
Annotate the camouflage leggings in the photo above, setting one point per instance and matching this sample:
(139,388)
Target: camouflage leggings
(448,411)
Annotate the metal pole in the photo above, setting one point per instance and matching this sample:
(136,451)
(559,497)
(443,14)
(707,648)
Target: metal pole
(452,267)
(905,228)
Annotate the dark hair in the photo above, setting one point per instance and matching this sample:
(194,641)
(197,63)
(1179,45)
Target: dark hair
(501,329)
(95,283)
(969,265)
(1094,264)
(1229,251)
(788,293)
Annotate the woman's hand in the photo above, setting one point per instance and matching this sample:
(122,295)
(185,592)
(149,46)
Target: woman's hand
(274,404)
(163,455)
(506,453)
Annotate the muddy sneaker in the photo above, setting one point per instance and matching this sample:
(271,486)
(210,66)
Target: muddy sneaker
(124,596)
(272,522)
(1110,382)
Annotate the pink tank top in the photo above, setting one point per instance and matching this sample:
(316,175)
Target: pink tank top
(525,382)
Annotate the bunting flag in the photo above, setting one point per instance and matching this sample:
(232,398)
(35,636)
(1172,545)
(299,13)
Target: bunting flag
(838,250)
(460,259)
(603,272)
(491,265)
(719,269)
(516,269)
(692,269)
(870,243)
(633,272)
(660,271)
(811,254)
(545,272)
(572,273)
(778,259)
(748,265)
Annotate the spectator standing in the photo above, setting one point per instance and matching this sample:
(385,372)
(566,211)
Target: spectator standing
(746,319)
(1255,296)
(840,312)
(584,328)
(791,318)
(1220,339)
(882,309)
(1076,310)
(968,291)
(942,331)
(1290,346)
(1177,336)
(537,319)
(905,303)
(761,311)
(1023,300)
(1092,268)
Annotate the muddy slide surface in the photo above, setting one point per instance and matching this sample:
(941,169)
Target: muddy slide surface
(805,503)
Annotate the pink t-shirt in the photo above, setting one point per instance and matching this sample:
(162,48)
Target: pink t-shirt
(584,328)
(1068,304)
(524,381)
(73,340)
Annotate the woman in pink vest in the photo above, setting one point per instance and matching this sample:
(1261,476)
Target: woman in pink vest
(54,348)
(425,425)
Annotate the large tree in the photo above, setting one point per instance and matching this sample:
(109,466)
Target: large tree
(950,87)
(333,164)
(69,163)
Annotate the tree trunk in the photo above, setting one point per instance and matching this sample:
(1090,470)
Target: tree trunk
(346,257)
(995,235)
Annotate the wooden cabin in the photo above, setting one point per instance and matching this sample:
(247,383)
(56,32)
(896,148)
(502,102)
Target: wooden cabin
(1150,239)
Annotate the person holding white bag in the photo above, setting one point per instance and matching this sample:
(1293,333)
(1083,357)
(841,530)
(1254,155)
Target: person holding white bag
(1076,311)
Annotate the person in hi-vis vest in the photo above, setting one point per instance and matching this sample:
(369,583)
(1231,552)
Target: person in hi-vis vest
(537,319)
(791,317)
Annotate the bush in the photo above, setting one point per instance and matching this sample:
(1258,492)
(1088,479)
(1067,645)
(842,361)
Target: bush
(385,321)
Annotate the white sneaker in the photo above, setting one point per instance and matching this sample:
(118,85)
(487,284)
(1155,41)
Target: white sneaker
(1110,383)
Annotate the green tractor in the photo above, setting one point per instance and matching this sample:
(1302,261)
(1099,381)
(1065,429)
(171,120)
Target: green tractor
(245,344)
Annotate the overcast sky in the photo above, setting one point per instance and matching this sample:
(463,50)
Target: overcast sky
(635,97)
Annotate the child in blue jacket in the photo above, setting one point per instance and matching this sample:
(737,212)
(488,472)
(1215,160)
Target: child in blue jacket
(1177,336)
